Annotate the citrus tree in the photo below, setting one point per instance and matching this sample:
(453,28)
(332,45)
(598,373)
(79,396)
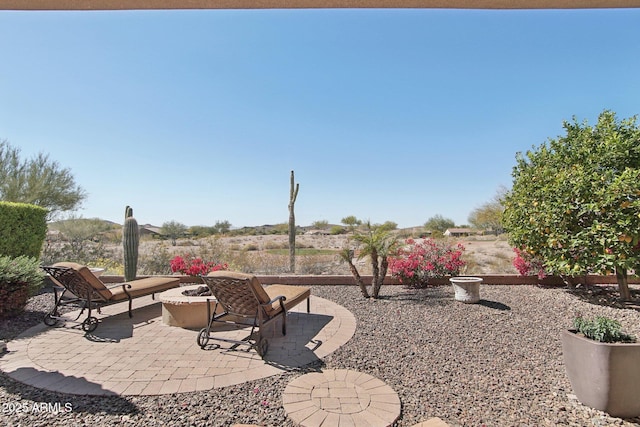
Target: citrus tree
(575,201)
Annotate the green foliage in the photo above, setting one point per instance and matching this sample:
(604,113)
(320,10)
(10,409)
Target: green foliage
(20,277)
(282,228)
(336,229)
(130,244)
(199,231)
(376,242)
(77,230)
(23,229)
(320,224)
(220,227)
(389,226)
(173,230)
(351,222)
(489,215)
(575,200)
(602,329)
(439,223)
(38,181)
(81,240)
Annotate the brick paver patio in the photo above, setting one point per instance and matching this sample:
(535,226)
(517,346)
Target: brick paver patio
(143,356)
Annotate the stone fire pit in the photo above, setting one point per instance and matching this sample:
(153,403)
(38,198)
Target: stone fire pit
(188,312)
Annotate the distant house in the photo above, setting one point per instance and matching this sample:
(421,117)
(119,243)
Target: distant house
(150,230)
(458,232)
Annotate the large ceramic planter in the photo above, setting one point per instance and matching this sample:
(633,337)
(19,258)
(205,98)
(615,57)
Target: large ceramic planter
(604,376)
(466,289)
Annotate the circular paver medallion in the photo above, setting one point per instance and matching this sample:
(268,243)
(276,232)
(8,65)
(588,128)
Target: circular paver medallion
(340,397)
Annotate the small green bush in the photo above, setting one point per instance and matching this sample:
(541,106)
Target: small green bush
(602,329)
(23,228)
(20,278)
(337,229)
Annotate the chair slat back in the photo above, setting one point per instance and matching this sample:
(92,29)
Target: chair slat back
(72,281)
(235,294)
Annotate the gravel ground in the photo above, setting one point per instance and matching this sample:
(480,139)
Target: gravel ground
(497,363)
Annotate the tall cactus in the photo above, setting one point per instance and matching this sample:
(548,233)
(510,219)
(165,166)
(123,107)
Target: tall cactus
(130,242)
(293,194)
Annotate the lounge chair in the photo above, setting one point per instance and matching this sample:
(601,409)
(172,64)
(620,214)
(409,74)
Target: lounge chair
(89,292)
(245,302)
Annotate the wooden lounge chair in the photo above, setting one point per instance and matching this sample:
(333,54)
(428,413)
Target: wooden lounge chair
(89,292)
(246,303)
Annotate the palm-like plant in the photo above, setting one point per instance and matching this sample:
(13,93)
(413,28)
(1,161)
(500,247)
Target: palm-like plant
(377,242)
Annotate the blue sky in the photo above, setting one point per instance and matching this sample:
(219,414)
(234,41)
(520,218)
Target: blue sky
(199,116)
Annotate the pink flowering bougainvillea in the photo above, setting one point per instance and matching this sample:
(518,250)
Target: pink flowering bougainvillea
(418,261)
(528,265)
(194,266)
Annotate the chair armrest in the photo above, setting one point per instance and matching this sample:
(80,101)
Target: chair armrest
(280,298)
(117,285)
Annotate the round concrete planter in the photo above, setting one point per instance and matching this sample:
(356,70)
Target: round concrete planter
(466,289)
(604,376)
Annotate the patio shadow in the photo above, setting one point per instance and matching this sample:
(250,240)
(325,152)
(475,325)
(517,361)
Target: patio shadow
(76,389)
(118,327)
(298,347)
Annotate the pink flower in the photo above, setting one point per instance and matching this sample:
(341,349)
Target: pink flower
(416,262)
(194,266)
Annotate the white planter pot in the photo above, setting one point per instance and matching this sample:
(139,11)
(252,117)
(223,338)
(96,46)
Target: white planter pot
(466,289)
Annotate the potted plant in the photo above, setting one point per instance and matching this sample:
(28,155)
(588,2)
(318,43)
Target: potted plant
(603,366)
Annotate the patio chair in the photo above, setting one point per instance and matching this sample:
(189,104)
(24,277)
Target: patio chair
(245,303)
(89,292)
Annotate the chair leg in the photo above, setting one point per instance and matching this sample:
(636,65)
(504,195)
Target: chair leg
(284,323)
(309,305)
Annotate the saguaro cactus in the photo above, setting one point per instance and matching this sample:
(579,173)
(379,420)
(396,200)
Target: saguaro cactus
(130,242)
(293,194)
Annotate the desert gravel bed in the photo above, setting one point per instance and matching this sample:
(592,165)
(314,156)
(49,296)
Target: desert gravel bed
(497,363)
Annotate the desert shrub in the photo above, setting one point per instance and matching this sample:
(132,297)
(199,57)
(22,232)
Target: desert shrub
(154,260)
(602,329)
(337,229)
(214,248)
(261,262)
(86,253)
(418,261)
(277,245)
(315,264)
(20,277)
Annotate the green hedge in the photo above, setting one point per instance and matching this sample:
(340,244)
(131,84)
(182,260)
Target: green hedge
(23,229)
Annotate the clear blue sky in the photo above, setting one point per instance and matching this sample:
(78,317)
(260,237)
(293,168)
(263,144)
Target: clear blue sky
(199,116)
